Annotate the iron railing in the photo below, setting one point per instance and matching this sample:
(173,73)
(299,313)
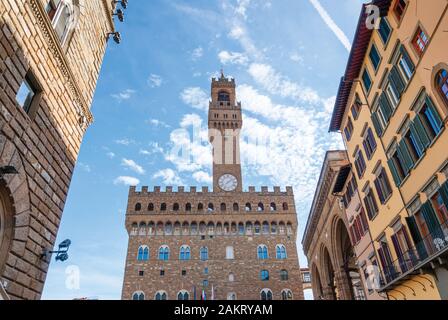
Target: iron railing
(422,252)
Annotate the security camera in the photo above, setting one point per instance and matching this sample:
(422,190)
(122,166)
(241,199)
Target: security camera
(120,15)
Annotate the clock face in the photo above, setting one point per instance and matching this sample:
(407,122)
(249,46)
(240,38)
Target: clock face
(228,182)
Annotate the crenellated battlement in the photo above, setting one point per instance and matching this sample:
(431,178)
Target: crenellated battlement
(276,191)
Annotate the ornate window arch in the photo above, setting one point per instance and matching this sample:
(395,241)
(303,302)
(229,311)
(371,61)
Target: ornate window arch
(280,250)
(260,207)
(164,253)
(204,253)
(143,253)
(185,253)
(183,295)
(266,294)
(151,207)
(286,294)
(223,96)
(441,83)
(138,206)
(138,295)
(161,295)
(262,252)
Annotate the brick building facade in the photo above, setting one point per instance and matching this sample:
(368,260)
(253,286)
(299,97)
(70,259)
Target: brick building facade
(51,54)
(225,243)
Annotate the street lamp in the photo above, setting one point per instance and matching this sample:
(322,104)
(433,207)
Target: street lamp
(61,253)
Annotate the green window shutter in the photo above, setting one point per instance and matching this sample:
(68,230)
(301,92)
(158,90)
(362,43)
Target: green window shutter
(385,106)
(409,161)
(444,193)
(421,132)
(396,80)
(417,237)
(377,125)
(431,220)
(394,171)
(434,111)
(407,58)
(415,134)
(403,158)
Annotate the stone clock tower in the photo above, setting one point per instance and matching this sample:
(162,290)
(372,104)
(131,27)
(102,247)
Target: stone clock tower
(226,243)
(224,124)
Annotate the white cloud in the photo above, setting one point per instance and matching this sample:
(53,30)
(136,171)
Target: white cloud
(158,123)
(275,83)
(110,154)
(155,81)
(202,177)
(127,181)
(197,53)
(227,57)
(125,142)
(123,95)
(195,97)
(155,148)
(296,57)
(241,9)
(168,176)
(131,164)
(331,24)
(84,167)
(237,32)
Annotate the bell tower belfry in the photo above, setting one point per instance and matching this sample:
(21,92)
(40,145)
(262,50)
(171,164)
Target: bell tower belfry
(224,125)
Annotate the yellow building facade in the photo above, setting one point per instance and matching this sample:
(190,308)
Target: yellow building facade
(392,111)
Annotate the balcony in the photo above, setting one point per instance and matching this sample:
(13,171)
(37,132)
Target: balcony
(426,254)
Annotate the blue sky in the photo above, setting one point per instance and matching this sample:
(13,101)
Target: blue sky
(287,57)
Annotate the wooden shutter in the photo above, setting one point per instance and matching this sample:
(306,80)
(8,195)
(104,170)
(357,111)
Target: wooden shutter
(377,125)
(417,237)
(416,136)
(409,161)
(431,221)
(421,132)
(395,174)
(444,193)
(385,106)
(407,58)
(397,81)
(434,111)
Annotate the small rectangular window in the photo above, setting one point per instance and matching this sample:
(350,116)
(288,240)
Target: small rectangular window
(28,95)
(369,143)
(360,164)
(370,203)
(375,57)
(382,186)
(400,6)
(420,41)
(348,130)
(384,30)
(366,80)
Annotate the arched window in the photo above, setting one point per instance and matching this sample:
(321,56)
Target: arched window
(151,207)
(184,253)
(289,229)
(211,207)
(274,228)
(182,295)
(229,253)
(194,228)
(219,228)
(283,275)
(236,207)
(248,207)
(231,296)
(143,253)
(185,228)
(138,206)
(281,227)
(285,206)
(260,207)
(223,96)
(226,228)
(200,207)
(286,294)
(265,227)
(262,252)
(134,230)
(266,294)
(442,84)
(249,230)
(202,228)
(280,251)
(177,228)
(264,275)
(142,229)
(188,207)
(164,253)
(138,295)
(204,253)
(257,227)
(176,207)
(223,207)
(233,228)
(63,18)
(161,295)
(168,228)
(273,206)
(151,228)
(163,207)
(231,277)
(241,229)
(210,229)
